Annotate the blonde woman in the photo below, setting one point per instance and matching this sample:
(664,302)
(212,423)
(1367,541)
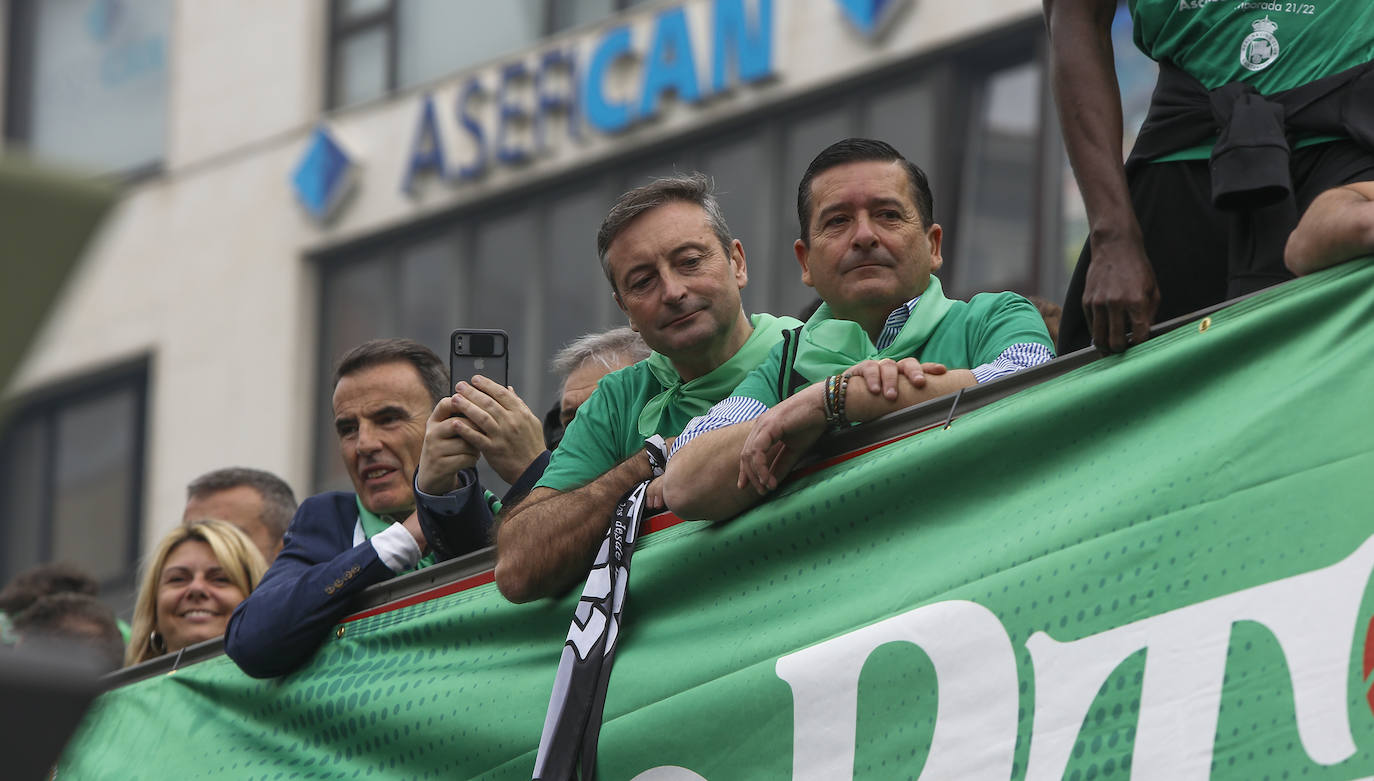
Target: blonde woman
(199,573)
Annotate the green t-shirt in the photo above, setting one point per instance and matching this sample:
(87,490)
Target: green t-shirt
(606,430)
(1272,45)
(970,334)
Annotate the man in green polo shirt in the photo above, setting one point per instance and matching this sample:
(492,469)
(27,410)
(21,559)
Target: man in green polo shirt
(1259,107)
(885,338)
(676,273)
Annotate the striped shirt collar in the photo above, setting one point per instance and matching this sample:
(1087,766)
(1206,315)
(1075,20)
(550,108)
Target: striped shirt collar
(893,325)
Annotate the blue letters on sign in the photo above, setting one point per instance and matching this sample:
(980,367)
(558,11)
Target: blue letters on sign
(473,89)
(604,115)
(748,47)
(670,64)
(548,102)
(509,113)
(531,93)
(427,153)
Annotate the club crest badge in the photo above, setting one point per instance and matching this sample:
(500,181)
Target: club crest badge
(1260,48)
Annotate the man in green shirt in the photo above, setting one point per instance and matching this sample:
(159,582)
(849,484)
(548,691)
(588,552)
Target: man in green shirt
(676,273)
(885,338)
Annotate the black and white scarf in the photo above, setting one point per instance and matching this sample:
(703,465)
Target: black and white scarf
(573,723)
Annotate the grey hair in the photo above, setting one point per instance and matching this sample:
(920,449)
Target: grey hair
(278,501)
(612,349)
(695,188)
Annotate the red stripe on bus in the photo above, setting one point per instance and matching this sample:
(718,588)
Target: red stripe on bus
(480,579)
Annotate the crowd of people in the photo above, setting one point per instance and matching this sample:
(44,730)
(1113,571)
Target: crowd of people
(1246,173)
(710,405)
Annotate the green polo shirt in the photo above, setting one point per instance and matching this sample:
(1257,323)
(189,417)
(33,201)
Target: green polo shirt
(970,334)
(606,430)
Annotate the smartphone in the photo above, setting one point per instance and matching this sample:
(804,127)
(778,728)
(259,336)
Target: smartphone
(478,351)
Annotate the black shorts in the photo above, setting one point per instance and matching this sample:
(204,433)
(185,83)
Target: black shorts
(1201,255)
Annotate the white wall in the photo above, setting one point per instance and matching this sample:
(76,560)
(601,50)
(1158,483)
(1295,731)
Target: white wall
(243,72)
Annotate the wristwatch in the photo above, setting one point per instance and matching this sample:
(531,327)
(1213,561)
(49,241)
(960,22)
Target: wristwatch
(657,451)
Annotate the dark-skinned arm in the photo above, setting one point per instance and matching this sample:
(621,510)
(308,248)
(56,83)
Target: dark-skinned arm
(546,543)
(1119,292)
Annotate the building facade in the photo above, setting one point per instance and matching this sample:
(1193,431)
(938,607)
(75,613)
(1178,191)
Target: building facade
(302,176)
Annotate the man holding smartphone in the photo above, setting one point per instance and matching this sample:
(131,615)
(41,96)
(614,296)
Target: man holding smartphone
(481,418)
(676,272)
(342,542)
(484,417)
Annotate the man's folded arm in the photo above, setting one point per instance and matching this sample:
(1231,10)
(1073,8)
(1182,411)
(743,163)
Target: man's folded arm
(1338,226)
(286,618)
(702,480)
(546,543)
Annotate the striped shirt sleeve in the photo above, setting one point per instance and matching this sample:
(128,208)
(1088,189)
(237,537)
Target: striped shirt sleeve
(735,409)
(1012,360)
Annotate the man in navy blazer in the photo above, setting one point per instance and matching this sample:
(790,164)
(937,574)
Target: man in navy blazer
(339,543)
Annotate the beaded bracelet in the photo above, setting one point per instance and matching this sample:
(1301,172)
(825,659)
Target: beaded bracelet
(828,399)
(835,388)
(840,394)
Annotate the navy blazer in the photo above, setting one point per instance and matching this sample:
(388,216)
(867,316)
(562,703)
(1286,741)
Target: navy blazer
(310,587)
(307,589)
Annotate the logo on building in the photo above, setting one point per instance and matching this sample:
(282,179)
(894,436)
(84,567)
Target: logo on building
(324,177)
(871,17)
(624,77)
(1260,48)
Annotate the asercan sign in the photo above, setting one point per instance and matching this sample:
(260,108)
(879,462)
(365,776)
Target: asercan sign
(508,114)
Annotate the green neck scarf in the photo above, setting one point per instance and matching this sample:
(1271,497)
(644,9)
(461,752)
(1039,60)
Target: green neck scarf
(374,524)
(829,346)
(699,395)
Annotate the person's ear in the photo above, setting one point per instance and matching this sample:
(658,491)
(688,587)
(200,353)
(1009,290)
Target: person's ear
(803,256)
(738,266)
(935,236)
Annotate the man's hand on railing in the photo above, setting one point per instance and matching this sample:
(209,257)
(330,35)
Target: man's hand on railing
(1120,296)
(779,437)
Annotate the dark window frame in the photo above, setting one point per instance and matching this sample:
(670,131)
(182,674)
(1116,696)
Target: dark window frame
(341,28)
(48,403)
(18,70)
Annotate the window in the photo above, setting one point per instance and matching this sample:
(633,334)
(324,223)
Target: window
(72,481)
(380,46)
(88,82)
(995,246)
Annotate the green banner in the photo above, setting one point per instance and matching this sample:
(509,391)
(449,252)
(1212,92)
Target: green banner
(1154,567)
